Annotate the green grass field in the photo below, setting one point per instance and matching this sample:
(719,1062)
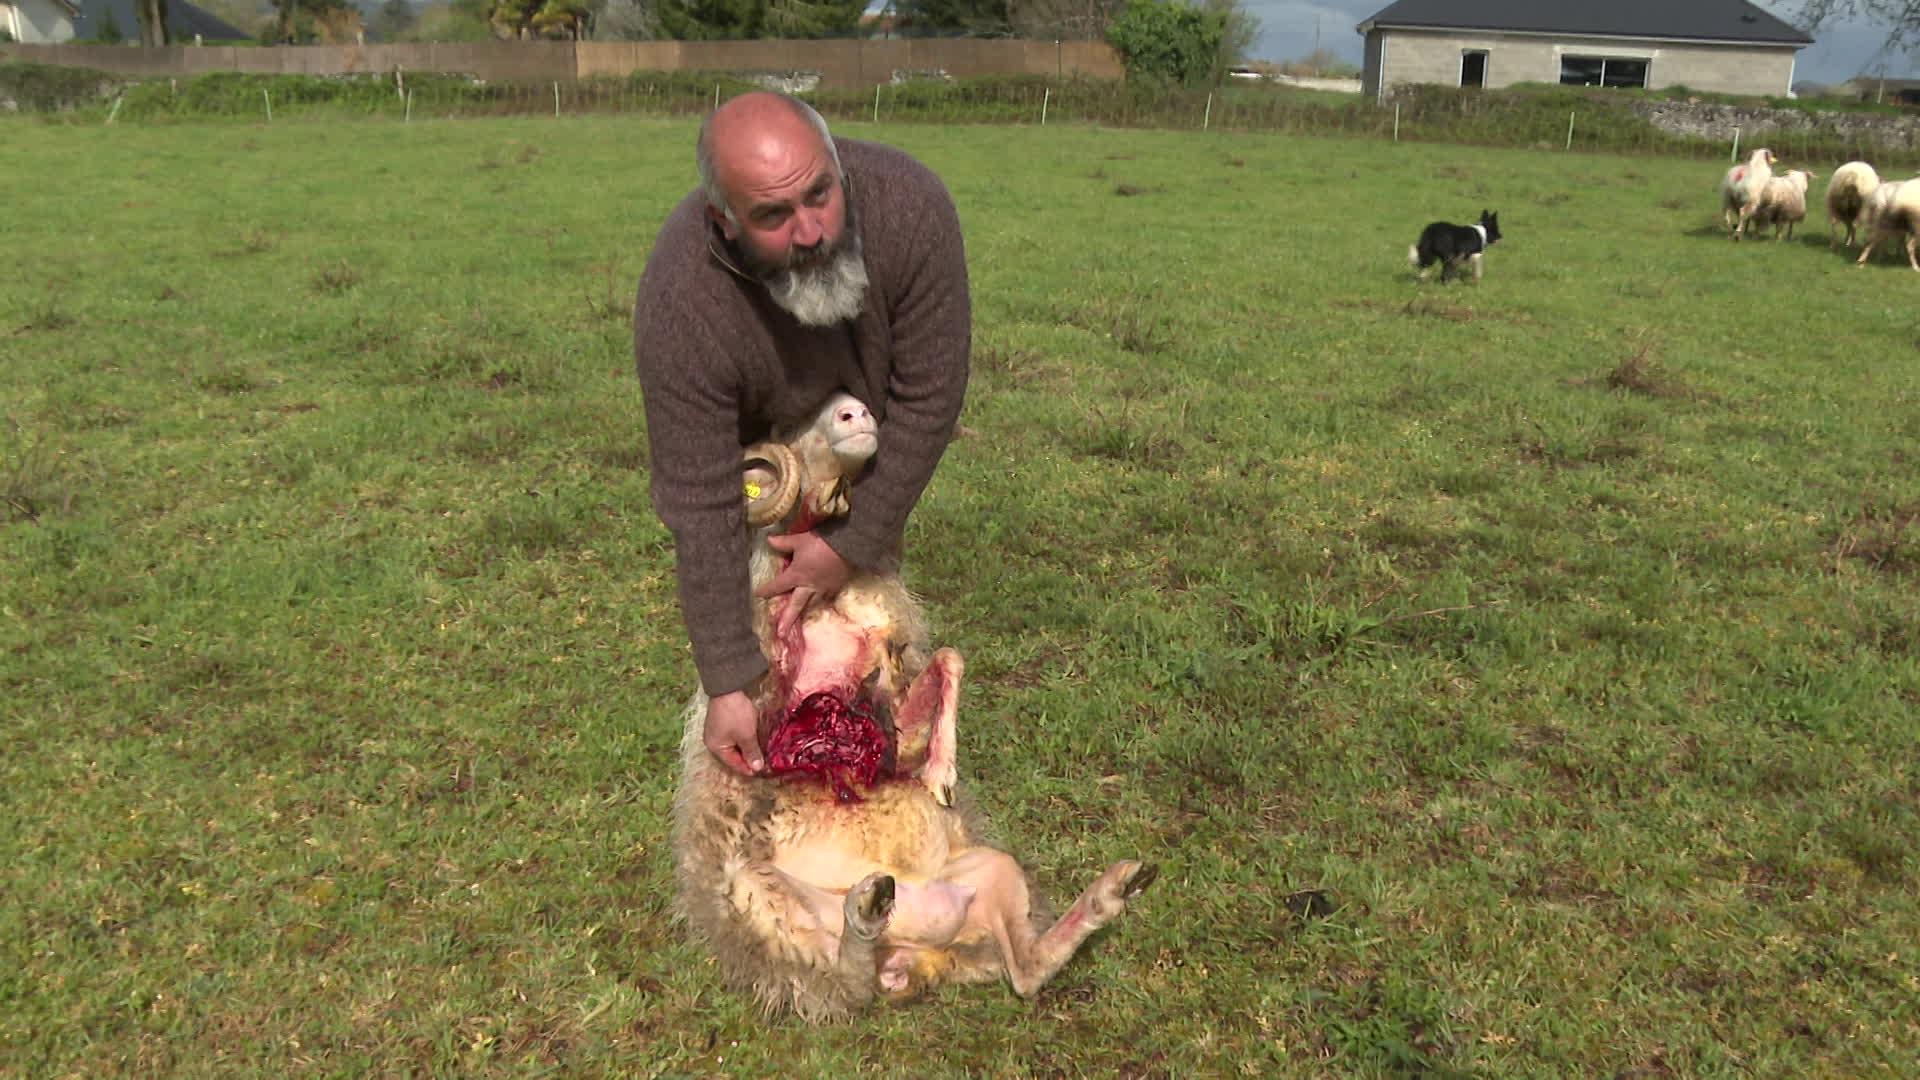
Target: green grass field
(1519,679)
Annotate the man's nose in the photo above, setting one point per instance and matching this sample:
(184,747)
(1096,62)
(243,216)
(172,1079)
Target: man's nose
(807,230)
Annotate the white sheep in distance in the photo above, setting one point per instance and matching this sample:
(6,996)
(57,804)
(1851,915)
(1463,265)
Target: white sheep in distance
(1783,202)
(1847,195)
(1895,211)
(1741,188)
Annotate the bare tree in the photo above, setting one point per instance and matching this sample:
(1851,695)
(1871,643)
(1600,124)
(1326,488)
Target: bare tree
(1900,17)
(153,22)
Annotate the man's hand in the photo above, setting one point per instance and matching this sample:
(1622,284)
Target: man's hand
(732,733)
(814,571)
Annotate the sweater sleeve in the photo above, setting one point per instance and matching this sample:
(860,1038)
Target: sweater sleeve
(693,401)
(932,327)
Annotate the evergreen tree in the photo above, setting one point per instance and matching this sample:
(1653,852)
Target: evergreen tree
(954,18)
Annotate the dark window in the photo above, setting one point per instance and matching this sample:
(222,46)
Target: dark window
(1473,69)
(1601,71)
(1625,73)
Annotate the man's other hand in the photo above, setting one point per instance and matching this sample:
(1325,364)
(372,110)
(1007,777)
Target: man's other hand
(732,733)
(814,572)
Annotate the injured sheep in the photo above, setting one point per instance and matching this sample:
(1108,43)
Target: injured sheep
(1742,187)
(850,870)
(1847,194)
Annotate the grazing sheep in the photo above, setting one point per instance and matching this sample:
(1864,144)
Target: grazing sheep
(1784,202)
(1894,212)
(1742,187)
(1847,196)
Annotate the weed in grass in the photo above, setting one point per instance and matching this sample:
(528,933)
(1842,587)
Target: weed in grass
(337,278)
(1129,190)
(1131,434)
(256,242)
(611,303)
(228,380)
(1887,540)
(32,482)
(1641,374)
(49,317)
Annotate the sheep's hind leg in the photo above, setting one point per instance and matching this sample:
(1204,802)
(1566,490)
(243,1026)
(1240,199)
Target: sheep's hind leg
(1873,240)
(1003,906)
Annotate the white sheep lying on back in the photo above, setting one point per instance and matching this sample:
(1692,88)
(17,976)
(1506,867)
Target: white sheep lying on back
(1847,195)
(1741,188)
(1783,202)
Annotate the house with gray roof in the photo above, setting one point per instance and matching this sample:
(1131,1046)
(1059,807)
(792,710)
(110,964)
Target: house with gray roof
(1725,46)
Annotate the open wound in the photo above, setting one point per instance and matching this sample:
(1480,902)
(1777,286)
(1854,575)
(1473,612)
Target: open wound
(840,741)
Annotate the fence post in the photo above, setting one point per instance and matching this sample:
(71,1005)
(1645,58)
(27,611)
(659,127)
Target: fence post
(268,98)
(1569,131)
(1396,121)
(1207,118)
(115,111)
(716,95)
(1045,98)
(1735,156)
(876,103)
(556,101)
(409,107)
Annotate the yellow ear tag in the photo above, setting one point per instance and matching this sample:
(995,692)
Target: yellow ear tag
(753,490)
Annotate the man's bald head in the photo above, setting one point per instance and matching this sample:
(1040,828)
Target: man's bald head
(752,133)
(775,189)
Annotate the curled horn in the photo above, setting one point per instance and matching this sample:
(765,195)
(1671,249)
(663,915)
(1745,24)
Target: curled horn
(776,498)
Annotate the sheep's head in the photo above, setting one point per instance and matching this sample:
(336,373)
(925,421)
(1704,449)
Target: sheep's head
(815,465)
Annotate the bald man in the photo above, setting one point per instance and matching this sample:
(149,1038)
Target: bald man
(802,266)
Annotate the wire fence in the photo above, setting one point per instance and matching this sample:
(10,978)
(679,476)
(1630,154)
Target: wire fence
(1543,119)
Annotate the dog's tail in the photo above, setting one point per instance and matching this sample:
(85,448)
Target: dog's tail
(1413,256)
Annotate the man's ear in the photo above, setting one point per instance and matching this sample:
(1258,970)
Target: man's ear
(715,215)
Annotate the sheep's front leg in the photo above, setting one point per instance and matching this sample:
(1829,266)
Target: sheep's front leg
(928,718)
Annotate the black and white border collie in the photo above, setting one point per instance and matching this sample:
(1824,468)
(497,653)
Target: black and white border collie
(1452,245)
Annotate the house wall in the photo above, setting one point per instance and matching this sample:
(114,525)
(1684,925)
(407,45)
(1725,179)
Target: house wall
(36,21)
(1434,57)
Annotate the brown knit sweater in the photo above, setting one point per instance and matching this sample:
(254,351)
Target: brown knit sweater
(721,366)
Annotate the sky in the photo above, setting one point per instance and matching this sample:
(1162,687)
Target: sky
(1288,31)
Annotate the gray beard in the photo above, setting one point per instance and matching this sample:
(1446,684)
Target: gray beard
(823,295)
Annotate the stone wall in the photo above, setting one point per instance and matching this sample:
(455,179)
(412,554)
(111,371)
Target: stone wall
(1709,120)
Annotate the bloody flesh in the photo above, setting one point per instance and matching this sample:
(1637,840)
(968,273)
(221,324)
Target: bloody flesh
(836,740)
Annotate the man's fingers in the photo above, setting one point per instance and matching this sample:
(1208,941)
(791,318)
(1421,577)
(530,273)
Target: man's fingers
(797,603)
(732,758)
